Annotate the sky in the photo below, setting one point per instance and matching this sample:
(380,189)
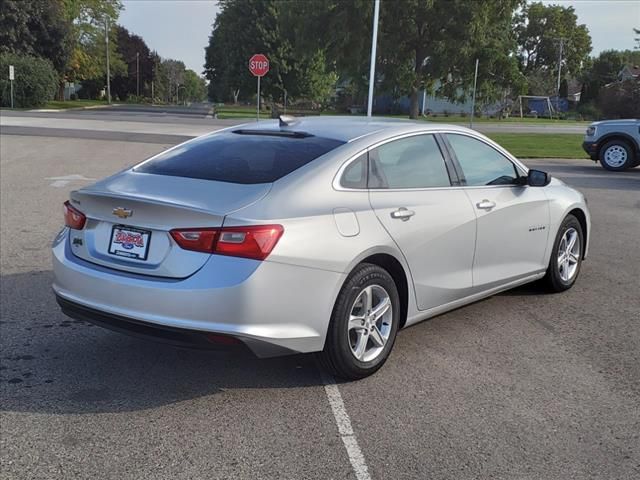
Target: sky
(180,29)
(177,29)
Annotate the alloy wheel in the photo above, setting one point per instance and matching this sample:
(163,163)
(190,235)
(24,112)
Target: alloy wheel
(568,255)
(370,321)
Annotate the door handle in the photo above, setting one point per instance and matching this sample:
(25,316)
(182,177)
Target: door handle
(486,204)
(403,214)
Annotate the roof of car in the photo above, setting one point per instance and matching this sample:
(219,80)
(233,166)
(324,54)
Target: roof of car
(345,129)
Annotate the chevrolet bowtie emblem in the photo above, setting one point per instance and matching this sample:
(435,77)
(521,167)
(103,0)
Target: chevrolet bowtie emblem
(121,212)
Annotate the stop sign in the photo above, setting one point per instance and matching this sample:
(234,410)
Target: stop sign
(259,65)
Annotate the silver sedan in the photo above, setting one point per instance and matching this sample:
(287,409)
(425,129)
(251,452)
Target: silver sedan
(313,235)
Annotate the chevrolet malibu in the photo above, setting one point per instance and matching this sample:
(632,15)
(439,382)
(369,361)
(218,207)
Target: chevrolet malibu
(313,235)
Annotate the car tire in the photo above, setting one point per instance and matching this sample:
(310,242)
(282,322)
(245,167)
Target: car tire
(563,269)
(616,156)
(354,322)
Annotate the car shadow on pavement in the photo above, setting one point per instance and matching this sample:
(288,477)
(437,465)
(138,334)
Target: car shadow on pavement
(53,364)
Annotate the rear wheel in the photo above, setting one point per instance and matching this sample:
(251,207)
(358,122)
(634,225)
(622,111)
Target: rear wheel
(566,256)
(363,324)
(616,156)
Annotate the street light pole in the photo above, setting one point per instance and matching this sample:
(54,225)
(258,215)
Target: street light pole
(106,34)
(137,74)
(372,68)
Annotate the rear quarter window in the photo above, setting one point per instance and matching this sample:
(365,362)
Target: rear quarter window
(239,158)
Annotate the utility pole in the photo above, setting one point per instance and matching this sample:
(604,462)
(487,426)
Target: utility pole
(473,101)
(154,76)
(106,34)
(137,74)
(372,68)
(559,71)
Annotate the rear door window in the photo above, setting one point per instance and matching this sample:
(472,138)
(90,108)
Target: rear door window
(412,162)
(240,157)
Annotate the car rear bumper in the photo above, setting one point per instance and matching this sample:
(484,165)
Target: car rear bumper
(591,148)
(150,331)
(273,308)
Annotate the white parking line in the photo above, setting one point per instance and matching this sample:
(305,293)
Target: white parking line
(344,427)
(61,182)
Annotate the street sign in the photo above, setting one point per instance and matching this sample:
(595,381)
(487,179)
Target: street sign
(11,79)
(259,65)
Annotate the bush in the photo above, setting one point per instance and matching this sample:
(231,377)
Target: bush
(36,81)
(620,100)
(588,111)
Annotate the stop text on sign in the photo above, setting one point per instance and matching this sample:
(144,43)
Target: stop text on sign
(259,65)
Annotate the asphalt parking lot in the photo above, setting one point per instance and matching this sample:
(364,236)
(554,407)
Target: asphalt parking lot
(523,385)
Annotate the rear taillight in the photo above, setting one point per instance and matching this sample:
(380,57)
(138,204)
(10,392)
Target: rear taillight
(256,241)
(196,239)
(250,242)
(73,218)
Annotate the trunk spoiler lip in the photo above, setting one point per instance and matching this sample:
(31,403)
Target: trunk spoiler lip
(142,198)
(105,193)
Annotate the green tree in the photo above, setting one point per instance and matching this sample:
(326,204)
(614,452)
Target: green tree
(621,100)
(341,30)
(433,45)
(195,88)
(541,30)
(319,81)
(421,43)
(36,28)
(89,19)
(603,70)
(135,53)
(169,77)
(234,40)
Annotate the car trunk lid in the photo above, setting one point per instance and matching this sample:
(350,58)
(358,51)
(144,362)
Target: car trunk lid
(129,217)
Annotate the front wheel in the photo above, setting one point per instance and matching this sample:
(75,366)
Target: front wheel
(616,156)
(566,256)
(363,324)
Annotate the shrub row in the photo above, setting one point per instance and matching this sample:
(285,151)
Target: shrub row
(36,81)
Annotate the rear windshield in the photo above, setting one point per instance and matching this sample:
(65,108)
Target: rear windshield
(239,158)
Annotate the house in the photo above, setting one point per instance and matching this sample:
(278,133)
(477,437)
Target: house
(629,73)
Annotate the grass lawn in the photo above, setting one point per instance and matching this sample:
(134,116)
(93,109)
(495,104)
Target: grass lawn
(465,119)
(541,145)
(74,104)
(529,121)
(239,111)
(249,111)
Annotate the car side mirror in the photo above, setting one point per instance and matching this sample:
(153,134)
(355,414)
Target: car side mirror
(538,178)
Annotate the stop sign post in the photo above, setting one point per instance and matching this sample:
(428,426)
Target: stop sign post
(259,66)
